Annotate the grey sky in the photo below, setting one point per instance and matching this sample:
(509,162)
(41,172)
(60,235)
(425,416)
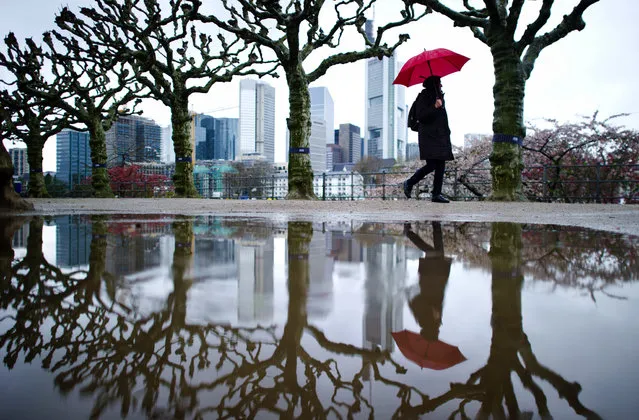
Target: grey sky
(585,72)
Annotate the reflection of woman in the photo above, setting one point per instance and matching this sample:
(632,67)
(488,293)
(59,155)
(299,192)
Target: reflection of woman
(434,269)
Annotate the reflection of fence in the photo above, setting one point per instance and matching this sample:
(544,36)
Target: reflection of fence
(577,184)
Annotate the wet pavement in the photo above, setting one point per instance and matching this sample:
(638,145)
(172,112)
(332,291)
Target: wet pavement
(166,316)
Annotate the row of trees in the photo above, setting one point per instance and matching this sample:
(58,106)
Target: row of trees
(101,62)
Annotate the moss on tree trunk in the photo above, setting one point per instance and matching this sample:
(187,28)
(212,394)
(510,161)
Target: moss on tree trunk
(508,91)
(300,172)
(99,175)
(36,188)
(184,160)
(9,199)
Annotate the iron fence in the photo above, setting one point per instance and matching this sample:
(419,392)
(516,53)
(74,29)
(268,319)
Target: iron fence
(566,183)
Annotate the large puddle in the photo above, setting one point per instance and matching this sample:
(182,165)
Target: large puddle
(209,317)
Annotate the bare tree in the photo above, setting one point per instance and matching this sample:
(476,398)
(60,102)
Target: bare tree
(170,58)
(31,120)
(9,199)
(293,33)
(495,25)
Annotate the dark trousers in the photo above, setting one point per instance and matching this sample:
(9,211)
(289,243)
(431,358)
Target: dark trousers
(431,165)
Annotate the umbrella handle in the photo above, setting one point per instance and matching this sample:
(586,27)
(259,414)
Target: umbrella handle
(429,68)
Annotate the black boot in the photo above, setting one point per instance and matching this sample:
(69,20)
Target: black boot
(408,189)
(440,199)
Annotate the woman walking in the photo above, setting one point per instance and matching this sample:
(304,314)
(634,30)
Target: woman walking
(434,138)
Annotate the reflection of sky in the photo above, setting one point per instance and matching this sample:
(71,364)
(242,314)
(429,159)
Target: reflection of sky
(592,343)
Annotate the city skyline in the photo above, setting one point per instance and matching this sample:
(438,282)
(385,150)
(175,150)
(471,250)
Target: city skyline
(584,83)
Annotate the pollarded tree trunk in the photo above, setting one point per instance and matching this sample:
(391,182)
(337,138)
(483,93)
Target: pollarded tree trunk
(99,174)
(181,122)
(300,172)
(508,122)
(9,199)
(36,189)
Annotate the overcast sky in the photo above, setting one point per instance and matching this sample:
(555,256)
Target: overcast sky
(591,70)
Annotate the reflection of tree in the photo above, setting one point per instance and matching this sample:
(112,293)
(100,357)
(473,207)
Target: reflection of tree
(167,366)
(509,342)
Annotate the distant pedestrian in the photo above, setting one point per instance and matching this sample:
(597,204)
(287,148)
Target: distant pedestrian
(434,138)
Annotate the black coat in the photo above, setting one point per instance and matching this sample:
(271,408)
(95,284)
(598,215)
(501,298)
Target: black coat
(434,133)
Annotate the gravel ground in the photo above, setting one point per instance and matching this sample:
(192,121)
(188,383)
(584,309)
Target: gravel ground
(608,217)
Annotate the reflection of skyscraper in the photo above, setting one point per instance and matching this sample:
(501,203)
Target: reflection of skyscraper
(136,248)
(320,288)
(73,241)
(215,258)
(385,265)
(342,247)
(20,237)
(255,279)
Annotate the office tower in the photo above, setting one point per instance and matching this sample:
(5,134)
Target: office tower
(317,145)
(73,157)
(350,141)
(133,138)
(226,135)
(257,120)
(204,133)
(386,110)
(323,109)
(19,160)
(333,155)
(167,152)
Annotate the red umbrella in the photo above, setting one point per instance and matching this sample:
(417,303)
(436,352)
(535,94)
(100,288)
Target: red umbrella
(439,62)
(435,355)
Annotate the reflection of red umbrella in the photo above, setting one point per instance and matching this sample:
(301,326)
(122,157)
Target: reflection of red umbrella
(439,62)
(435,355)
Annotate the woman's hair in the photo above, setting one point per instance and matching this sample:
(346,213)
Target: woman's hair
(432,85)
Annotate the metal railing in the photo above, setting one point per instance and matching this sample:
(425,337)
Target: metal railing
(568,183)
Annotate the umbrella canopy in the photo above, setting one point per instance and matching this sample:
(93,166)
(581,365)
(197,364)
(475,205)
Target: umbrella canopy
(435,355)
(439,62)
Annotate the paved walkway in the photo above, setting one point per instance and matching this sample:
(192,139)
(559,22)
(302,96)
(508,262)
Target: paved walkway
(609,217)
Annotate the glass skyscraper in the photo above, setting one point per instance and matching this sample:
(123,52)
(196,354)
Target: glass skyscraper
(133,139)
(257,120)
(385,131)
(73,161)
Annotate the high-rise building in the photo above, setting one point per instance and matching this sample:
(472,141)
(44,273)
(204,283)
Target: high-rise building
(333,155)
(317,145)
(73,157)
(386,110)
(133,138)
(257,120)
(167,152)
(19,160)
(323,109)
(226,135)
(349,140)
(204,133)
